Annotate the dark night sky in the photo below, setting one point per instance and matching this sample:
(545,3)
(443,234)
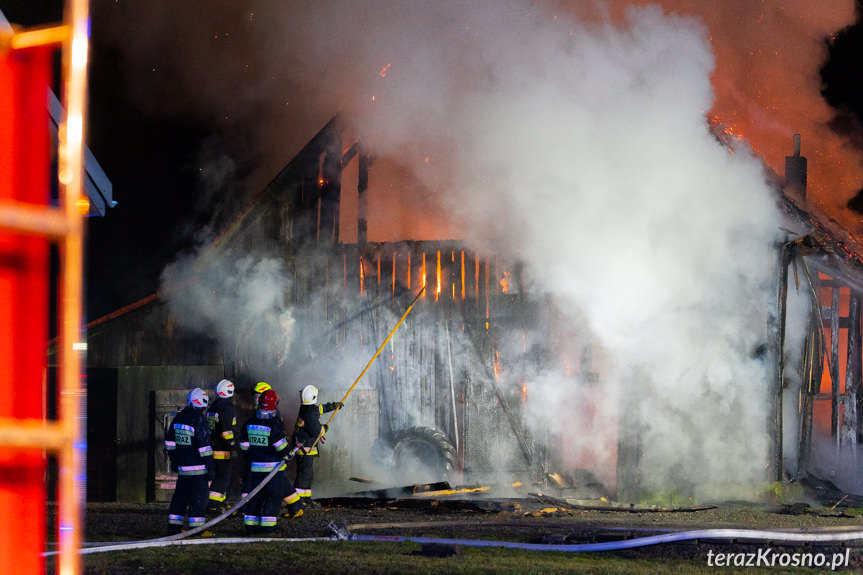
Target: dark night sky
(153,160)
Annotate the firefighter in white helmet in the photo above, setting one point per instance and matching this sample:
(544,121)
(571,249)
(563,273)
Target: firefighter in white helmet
(222,420)
(187,442)
(309,433)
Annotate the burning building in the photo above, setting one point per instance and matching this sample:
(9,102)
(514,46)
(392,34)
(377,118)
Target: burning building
(609,310)
(818,387)
(458,393)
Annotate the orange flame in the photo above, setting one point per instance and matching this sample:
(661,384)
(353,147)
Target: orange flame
(438,275)
(423,283)
(496,362)
(463,287)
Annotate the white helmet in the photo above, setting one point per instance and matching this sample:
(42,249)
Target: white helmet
(198,398)
(225,388)
(309,395)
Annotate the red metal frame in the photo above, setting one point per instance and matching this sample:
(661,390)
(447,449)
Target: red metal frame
(25,171)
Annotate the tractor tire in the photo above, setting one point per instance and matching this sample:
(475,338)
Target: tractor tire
(429,446)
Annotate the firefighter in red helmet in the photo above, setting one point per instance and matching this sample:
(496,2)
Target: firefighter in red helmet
(264,445)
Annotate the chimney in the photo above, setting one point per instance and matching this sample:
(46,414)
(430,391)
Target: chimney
(795,170)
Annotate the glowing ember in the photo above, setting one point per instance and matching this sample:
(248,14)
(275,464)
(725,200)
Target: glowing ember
(504,282)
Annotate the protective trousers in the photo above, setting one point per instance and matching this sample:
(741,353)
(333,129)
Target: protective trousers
(219,485)
(305,473)
(262,512)
(191,493)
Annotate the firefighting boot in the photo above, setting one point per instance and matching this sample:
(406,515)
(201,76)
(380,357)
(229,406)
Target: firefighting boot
(242,496)
(293,512)
(216,507)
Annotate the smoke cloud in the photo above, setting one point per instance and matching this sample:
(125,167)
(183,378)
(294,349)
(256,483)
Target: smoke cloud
(585,149)
(234,300)
(575,137)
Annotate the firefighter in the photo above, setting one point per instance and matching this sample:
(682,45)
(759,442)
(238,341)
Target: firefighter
(260,388)
(187,442)
(264,445)
(222,420)
(308,433)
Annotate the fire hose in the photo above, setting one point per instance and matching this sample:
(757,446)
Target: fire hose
(343,534)
(237,506)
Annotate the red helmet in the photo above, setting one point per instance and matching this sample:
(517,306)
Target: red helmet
(268,401)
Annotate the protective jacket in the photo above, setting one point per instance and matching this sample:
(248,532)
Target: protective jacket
(263,442)
(187,442)
(222,420)
(308,426)
(264,445)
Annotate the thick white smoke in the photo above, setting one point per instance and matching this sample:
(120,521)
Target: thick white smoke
(581,146)
(237,300)
(587,150)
